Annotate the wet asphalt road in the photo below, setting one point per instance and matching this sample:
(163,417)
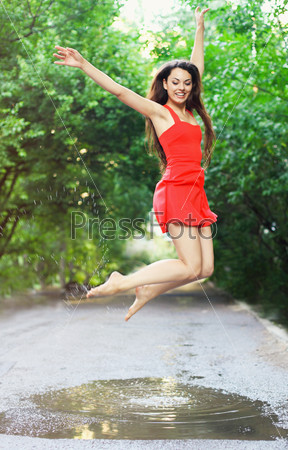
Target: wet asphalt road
(191,334)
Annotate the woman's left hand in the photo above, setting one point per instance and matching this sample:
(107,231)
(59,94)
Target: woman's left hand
(200,16)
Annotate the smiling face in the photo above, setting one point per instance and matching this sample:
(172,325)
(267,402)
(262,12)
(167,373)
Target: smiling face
(178,85)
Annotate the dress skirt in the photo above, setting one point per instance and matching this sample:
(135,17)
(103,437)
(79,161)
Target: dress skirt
(180,197)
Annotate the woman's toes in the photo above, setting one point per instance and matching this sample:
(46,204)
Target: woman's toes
(110,287)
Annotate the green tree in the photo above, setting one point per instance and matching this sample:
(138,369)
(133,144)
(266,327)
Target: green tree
(66,144)
(246,95)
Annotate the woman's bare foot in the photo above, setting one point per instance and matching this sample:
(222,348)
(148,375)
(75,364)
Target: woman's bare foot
(110,287)
(142,297)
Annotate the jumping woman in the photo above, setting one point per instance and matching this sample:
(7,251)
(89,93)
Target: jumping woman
(180,203)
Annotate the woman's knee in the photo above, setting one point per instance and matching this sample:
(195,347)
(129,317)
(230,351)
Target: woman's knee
(207,271)
(193,271)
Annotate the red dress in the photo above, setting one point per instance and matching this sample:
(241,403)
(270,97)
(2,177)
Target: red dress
(179,196)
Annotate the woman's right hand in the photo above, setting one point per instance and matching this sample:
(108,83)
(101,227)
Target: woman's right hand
(69,57)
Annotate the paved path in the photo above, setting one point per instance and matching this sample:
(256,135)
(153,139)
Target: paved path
(189,336)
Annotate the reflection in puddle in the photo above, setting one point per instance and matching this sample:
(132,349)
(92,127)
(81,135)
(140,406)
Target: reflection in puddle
(140,408)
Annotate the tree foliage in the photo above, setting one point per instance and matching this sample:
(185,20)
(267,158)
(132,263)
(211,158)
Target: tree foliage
(247,183)
(66,145)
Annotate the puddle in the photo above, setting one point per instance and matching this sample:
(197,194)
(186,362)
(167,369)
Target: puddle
(140,408)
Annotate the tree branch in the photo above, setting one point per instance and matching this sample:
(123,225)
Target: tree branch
(260,88)
(2,181)
(2,251)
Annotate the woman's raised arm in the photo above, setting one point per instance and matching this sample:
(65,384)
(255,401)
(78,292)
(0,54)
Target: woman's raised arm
(197,56)
(71,57)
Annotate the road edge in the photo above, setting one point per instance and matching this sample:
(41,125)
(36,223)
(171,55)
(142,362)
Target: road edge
(276,329)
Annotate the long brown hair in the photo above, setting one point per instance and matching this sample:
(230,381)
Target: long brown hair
(158,94)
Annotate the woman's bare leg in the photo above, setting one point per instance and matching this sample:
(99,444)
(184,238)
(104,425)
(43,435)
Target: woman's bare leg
(145,293)
(187,243)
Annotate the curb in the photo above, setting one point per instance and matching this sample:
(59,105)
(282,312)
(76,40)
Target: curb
(278,330)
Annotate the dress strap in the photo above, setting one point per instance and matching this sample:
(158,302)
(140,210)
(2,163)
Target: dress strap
(173,114)
(190,112)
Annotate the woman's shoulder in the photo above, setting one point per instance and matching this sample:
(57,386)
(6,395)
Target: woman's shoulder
(190,111)
(160,111)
